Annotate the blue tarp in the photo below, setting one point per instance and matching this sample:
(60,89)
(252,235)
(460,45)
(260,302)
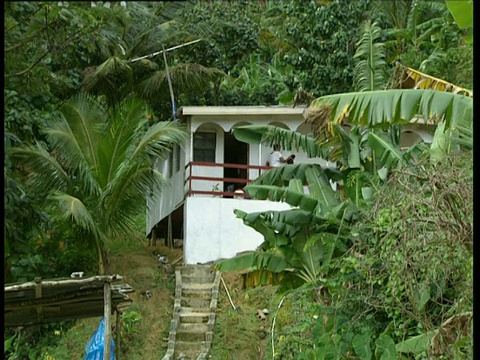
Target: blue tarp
(95,346)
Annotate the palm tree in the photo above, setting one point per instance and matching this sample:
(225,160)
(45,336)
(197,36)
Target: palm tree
(128,56)
(96,167)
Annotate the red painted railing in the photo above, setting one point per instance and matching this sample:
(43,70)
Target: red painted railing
(190,177)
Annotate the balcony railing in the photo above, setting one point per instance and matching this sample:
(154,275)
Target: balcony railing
(205,178)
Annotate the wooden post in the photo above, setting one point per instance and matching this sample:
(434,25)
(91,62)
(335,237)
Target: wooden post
(169,232)
(117,335)
(154,236)
(107,297)
(38,295)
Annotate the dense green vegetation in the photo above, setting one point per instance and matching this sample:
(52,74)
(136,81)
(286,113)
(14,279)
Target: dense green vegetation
(402,214)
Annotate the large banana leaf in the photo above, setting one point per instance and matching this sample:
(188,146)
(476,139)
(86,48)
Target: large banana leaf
(462,12)
(287,139)
(253,261)
(281,176)
(388,152)
(386,107)
(284,249)
(321,189)
(320,201)
(370,57)
(312,255)
(277,226)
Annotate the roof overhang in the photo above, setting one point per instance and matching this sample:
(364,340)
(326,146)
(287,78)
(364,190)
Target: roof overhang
(185,111)
(44,301)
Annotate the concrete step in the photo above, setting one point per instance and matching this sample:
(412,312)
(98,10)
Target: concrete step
(192,328)
(202,293)
(185,354)
(198,286)
(194,302)
(196,270)
(188,346)
(191,332)
(194,309)
(198,279)
(194,317)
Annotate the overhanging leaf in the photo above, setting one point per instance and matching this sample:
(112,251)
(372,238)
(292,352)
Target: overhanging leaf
(386,107)
(416,344)
(462,12)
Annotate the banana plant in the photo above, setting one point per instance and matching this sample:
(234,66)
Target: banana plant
(317,217)
(370,59)
(300,241)
(380,109)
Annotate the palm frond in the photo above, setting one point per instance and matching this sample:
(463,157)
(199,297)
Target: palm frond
(159,140)
(124,197)
(85,122)
(185,78)
(127,124)
(113,78)
(47,172)
(194,76)
(396,11)
(74,210)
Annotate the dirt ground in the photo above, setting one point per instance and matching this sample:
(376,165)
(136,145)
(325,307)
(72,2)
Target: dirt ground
(237,335)
(143,271)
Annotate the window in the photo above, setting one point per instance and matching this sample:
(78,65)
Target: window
(204,146)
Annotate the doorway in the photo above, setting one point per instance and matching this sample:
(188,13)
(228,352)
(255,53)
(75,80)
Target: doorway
(235,152)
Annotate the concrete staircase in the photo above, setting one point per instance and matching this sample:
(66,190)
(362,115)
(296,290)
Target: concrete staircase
(196,296)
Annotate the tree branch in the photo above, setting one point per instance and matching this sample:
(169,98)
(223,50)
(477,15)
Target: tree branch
(65,43)
(30,67)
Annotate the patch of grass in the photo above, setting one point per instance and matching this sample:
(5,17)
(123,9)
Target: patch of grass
(140,268)
(238,333)
(72,342)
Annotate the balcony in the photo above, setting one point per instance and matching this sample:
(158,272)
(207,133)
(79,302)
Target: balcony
(208,179)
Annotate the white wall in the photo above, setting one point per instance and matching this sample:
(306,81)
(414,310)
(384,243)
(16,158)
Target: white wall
(168,200)
(212,231)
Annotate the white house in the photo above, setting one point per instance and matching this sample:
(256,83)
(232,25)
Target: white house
(205,172)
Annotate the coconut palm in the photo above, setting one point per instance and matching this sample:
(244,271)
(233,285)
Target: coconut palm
(96,167)
(133,63)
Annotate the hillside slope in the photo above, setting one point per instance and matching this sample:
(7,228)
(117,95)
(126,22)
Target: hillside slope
(238,333)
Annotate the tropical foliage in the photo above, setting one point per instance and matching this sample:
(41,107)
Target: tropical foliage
(96,167)
(332,246)
(260,52)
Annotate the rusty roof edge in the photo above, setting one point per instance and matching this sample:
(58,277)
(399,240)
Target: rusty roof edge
(66,281)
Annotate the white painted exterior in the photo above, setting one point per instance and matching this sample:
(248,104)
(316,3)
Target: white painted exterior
(214,232)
